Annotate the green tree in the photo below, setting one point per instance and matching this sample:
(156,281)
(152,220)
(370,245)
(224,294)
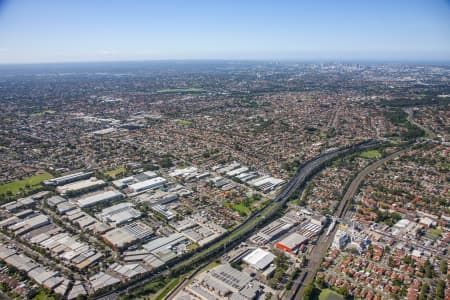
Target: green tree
(428,269)
(308,291)
(320,282)
(440,289)
(390,262)
(444,266)
(344,292)
(423,292)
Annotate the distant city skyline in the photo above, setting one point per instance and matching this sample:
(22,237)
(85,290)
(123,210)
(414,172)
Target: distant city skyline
(48,31)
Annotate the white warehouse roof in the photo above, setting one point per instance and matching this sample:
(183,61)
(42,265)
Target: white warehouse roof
(259,258)
(147,184)
(105,196)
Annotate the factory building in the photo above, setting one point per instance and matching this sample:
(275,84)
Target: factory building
(119,213)
(163,211)
(127,271)
(125,182)
(128,234)
(102,280)
(21,262)
(271,232)
(237,171)
(19,204)
(79,186)
(184,172)
(68,178)
(227,168)
(291,243)
(165,248)
(259,259)
(29,224)
(227,283)
(64,207)
(55,200)
(147,184)
(203,175)
(266,183)
(159,197)
(246,176)
(100,197)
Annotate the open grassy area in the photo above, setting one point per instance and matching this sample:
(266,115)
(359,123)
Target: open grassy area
(192,247)
(241,208)
(188,90)
(370,154)
(213,264)
(114,173)
(43,295)
(328,294)
(183,122)
(28,184)
(433,233)
(168,288)
(45,112)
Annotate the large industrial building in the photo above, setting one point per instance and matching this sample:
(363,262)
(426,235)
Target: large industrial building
(225,282)
(119,213)
(100,197)
(186,172)
(259,259)
(147,184)
(163,211)
(79,186)
(18,204)
(271,232)
(125,182)
(158,197)
(128,234)
(291,243)
(165,248)
(227,168)
(266,183)
(29,224)
(68,178)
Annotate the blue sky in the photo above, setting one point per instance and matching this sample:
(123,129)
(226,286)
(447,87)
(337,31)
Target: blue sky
(107,30)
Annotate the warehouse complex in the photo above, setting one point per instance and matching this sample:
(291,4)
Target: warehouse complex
(259,259)
(292,242)
(99,197)
(147,184)
(68,178)
(80,186)
(119,213)
(127,235)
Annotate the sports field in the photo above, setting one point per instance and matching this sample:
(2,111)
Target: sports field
(27,185)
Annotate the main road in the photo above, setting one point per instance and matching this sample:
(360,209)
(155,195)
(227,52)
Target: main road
(234,237)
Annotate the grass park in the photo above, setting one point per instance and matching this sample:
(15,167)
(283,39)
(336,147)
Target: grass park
(26,185)
(183,122)
(115,172)
(370,154)
(328,294)
(241,208)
